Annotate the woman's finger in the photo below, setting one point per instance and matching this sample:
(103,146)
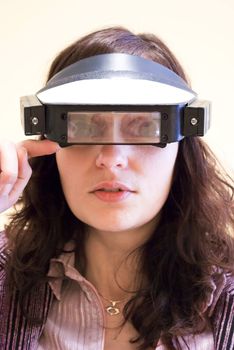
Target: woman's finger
(8,172)
(36,148)
(15,170)
(8,164)
(5,189)
(24,174)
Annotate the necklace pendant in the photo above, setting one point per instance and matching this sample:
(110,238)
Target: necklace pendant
(112,310)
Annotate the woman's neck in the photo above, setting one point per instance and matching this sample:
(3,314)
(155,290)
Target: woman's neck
(113,260)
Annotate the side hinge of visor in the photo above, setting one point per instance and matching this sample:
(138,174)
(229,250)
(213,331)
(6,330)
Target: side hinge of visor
(196,118)
(32,115)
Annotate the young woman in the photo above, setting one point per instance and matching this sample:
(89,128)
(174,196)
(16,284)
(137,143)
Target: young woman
(86,267)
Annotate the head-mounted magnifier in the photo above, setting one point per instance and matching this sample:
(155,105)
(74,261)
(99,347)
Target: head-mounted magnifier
(115,99)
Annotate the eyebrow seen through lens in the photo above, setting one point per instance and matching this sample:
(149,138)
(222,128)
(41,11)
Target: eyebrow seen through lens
(100,125)
(135,125)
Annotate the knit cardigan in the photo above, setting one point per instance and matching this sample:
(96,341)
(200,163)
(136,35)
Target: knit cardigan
(17,333)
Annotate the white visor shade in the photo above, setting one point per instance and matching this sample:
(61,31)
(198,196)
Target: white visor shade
(115,91)
(116,79)
(113,127)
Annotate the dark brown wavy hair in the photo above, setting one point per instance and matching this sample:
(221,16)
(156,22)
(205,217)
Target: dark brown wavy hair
(192,237)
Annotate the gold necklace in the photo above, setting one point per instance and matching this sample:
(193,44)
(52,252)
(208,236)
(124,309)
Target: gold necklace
(112,309)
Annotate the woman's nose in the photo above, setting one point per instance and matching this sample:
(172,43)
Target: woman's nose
(112,156)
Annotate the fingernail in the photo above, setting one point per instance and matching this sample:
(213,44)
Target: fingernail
(57,148)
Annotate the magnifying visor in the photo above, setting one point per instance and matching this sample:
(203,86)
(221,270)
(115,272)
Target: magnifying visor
(113,127)
(115,99)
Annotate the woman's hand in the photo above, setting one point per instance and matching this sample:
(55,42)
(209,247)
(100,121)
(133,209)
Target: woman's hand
(15,170)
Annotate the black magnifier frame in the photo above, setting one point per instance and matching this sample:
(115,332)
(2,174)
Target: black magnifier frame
(177,121)
(52,121)
(57,121)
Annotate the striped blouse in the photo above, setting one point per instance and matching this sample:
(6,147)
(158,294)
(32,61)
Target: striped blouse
(74,316)
(76,319)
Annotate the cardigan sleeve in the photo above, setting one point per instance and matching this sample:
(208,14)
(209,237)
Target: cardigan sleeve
(16,332)
(3,255)
(222,318)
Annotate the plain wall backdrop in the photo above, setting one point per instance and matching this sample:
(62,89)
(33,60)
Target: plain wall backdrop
(200,33)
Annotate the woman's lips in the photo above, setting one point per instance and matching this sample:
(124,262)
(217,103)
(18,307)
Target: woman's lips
(112,196)
(112,191)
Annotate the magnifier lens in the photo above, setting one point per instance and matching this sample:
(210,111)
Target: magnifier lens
(114,127)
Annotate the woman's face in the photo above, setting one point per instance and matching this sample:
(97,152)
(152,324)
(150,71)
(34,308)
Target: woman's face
(116,187)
